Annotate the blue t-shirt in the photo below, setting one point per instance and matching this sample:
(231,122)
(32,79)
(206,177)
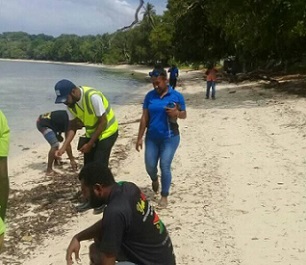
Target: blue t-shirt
(173,72)
(160,126)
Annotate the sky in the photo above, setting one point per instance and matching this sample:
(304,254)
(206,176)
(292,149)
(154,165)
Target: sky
(80,17)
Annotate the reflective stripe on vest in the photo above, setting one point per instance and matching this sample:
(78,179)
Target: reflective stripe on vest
(88,117)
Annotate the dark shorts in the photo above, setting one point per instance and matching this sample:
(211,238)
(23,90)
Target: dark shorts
(49,135)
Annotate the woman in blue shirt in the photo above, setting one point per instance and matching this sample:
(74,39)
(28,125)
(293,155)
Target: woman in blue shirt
(161,108)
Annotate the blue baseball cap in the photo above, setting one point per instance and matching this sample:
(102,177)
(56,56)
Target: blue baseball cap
(62,89)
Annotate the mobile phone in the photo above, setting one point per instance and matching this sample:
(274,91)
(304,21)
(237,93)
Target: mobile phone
(171,105)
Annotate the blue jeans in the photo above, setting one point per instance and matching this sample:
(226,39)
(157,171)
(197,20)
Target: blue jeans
(162,151)
(212,85)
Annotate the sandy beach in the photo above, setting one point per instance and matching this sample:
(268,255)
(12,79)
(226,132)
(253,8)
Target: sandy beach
(238,188)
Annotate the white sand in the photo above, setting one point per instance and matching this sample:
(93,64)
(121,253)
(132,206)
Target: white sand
(238,191)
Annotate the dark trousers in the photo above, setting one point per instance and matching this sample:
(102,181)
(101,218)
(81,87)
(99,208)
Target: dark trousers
(101,151)
(212,85)
(173,82)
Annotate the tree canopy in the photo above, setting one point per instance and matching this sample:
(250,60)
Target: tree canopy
(259,33)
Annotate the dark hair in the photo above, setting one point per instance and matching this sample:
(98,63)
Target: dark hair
(94,172)
(158,72)
(210,65)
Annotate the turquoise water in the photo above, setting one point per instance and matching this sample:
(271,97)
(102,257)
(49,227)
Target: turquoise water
(27,90)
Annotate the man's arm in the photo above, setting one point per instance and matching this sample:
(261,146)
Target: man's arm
(102,123)
(71,158)
(69,152)
(91,232)
(99,110)
(74,246)
(69,135)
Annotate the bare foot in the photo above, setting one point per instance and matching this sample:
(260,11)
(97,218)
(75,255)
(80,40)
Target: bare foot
(163,203)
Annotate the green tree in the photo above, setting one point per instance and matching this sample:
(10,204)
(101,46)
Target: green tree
(260,30)
(149,15)
(16,45)
(66,48)
(194,38)
(161,40)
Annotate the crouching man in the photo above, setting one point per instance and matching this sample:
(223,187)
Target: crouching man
(130,231)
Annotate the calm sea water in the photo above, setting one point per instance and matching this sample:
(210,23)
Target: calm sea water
(27,90)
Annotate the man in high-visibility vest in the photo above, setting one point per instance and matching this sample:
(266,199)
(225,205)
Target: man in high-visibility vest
(93,109)
(4,181)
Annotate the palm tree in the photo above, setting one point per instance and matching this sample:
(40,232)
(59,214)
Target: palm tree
(149,14)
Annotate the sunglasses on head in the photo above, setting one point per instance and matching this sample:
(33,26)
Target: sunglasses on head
(157,73)
(154,74)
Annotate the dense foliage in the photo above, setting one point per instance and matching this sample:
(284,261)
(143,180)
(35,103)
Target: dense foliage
(259,33)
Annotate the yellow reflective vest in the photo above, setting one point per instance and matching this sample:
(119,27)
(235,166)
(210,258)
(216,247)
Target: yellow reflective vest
(4,135)
(88,117)
(4,149)
(2,227)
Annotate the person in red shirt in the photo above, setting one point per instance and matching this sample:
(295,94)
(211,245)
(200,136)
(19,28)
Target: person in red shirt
(211,77)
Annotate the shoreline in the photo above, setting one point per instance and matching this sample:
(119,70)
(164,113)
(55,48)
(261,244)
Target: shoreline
(123,67)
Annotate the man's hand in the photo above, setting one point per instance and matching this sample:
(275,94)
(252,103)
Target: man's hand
(86,148)
(74,247)
(58,153)
(73,164)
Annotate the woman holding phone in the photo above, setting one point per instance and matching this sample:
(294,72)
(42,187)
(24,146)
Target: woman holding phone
(162,107)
